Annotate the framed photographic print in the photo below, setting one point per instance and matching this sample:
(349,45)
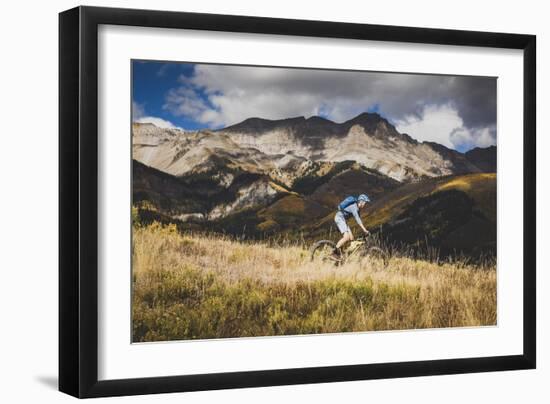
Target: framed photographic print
(251,201)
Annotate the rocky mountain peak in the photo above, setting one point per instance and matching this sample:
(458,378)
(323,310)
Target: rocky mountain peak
(264,145)
(374,124)
(484,158)
(260,125)
(367,117)
(318,120)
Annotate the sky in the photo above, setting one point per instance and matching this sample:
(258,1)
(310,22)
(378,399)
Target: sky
(456,111)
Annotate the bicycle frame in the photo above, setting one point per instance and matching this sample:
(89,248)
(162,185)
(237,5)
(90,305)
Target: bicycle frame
(352,249)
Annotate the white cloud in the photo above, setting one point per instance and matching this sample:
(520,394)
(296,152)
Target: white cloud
(427,107)
(139,115)
(442,124)
(231,94)
(159,122)
(435,124)
(221,95)
(469,138)
(138,110)
(185,101)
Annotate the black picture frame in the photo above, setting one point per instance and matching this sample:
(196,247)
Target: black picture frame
(78,201)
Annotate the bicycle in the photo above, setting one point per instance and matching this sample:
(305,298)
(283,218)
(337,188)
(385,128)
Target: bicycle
(363,247)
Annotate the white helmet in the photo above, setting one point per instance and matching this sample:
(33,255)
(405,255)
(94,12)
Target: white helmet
(363,198)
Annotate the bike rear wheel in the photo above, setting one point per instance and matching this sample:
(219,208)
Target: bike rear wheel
(323,251)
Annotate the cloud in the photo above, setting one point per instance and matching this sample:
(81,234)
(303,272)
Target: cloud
(185,101)
(163,69)
(138,110)
(139,116)
(159,122)
(466,139)
(443,124)
(218,95)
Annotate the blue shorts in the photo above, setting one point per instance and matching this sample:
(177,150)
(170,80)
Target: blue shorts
(341,222)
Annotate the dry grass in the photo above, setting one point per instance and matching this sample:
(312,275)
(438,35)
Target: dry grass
(191,286)
(467,182)
(482,188)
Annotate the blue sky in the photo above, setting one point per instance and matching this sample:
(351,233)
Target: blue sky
(151,82)
(456,111)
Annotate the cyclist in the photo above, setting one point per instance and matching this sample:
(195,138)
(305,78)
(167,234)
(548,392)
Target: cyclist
(347,208)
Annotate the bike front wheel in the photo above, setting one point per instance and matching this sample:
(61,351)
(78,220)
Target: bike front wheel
(377,254)
(323,251)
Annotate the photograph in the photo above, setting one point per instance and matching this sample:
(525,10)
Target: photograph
(282,201)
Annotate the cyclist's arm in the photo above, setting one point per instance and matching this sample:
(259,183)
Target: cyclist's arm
(355,213)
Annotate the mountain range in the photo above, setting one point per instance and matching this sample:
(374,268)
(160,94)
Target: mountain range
(264,177)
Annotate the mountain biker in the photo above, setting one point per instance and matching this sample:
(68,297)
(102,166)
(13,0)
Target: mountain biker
(347,208)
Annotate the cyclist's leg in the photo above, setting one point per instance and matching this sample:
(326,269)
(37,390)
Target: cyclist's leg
(344,229)
(345,238)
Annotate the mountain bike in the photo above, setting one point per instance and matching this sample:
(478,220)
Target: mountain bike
(362,248)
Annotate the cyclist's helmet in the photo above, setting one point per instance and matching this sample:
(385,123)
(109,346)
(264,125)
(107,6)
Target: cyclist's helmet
(363,198)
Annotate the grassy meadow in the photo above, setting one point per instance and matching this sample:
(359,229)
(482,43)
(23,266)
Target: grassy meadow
(194,286)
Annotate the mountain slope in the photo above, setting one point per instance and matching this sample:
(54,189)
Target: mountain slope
(368,139)
(354,181)
(296,214)
(163,192)
(197,153)
(200,197)
(484,158)
(286,149)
